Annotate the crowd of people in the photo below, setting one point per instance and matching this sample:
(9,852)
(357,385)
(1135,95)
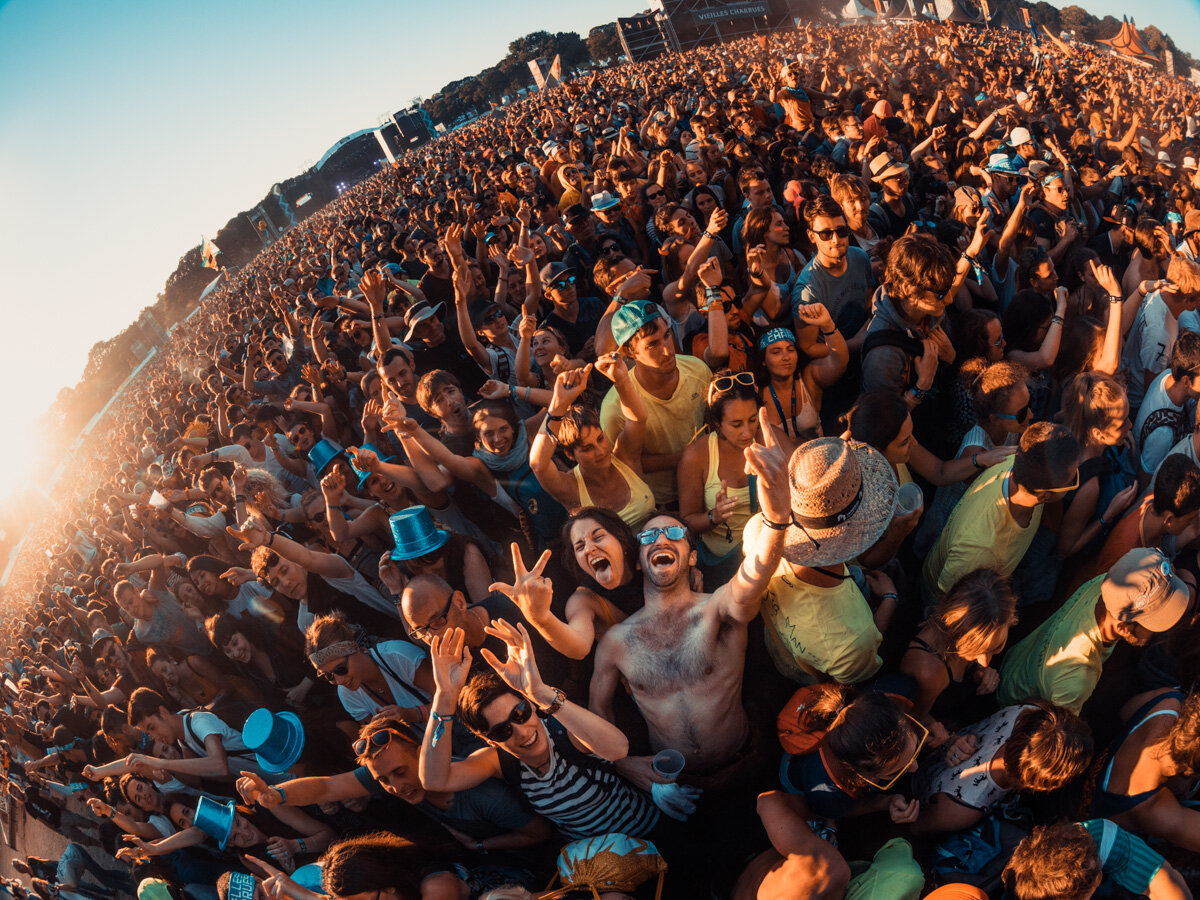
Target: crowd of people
(762,472)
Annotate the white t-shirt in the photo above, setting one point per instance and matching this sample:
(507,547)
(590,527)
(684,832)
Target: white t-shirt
(399,661)
(1159,425)
(1148,348)
(199,725)
(970,782)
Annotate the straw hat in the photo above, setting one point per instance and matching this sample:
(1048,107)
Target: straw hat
(843,497)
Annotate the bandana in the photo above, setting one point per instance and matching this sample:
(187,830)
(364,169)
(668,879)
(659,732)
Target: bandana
(774,336)
(334,651)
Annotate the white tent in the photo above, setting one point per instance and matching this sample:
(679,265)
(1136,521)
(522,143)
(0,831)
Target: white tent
(855,11)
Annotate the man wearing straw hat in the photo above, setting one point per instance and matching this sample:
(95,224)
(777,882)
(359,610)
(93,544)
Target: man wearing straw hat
(683,653)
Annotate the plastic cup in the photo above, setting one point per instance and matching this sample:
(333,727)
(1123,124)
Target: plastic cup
(909,498)
(668,764)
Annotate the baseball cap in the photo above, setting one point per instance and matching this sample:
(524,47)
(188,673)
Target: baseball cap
(551,272)
(1142,587)
(1020,135)
(631,318)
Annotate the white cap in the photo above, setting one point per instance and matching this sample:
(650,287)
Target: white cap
(1020,135)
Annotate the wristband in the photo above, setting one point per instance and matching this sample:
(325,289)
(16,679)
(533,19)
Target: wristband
(1114,298)
(918,393)
(282,795)
(775,526)
(1056,320)
(559,699)
(890,595)
(553,418)
(512,392)
(479,847)
(710,519)
(709,235)
(975,461)
(826,334)
(300,844)
(271,539)
(439,726)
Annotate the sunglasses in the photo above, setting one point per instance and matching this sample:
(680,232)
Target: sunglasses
(827,234)
(493,316)
(435,624)
(723,383)
(1021,413)
(924,732)
(650,535)
(341,670)
(654,196)
(560,283)
(611,248)
(502,731)
(1060,490)
(378,741)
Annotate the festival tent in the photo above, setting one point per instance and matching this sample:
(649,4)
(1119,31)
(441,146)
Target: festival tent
(953,11)
(855,11)
(1127,42)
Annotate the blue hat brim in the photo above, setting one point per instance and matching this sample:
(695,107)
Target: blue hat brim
(295,746)
(435,541)
(229,809)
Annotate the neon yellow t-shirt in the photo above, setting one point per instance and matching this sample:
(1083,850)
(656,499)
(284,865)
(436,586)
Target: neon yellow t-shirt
(813,631)
(1060,661)
(980,534)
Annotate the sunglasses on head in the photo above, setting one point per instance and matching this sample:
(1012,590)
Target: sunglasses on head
(502,731)
(827,234)
(650,535)
(924,732)
(378,741)
(723,383)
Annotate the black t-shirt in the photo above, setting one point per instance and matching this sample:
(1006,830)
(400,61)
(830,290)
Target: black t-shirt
(437,290)
(453,357)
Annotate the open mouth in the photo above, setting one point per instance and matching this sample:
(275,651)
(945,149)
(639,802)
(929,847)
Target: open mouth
(662,557)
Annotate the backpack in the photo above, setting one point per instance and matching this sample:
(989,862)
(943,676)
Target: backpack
(978,855)
(608,862)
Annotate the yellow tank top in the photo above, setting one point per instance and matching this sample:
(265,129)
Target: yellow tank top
(715,539)
(641,498)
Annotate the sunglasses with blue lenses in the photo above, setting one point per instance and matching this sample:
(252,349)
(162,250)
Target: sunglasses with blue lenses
(650,535)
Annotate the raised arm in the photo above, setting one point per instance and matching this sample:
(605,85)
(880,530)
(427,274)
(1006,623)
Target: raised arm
(255,534)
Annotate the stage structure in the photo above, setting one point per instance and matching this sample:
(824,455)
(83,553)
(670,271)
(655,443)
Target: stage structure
(673,26)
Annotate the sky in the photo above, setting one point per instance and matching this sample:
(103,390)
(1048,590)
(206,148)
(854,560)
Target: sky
(129,129)
(1178,18)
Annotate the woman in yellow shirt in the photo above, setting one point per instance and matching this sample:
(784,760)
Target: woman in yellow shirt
(606,474)
(716,498)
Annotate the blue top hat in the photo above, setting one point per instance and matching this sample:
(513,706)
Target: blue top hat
(415,534)
(363,476)
(215,819)
(323,452)
(277,739)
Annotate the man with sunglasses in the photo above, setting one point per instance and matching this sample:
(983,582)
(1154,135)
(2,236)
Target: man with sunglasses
(575,316)
(683,653)
(994,523)
(485,817)
(839,277)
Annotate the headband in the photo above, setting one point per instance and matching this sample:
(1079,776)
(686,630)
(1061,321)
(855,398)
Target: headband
(774,336)
(336,650)
(241,886)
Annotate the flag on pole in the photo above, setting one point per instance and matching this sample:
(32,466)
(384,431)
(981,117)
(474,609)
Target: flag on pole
(987,12)
(556,68)
(209,252)
(1025,14)
(537,74)
(879,8)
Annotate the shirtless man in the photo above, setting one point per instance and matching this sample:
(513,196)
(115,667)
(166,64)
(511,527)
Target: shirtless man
(684,652)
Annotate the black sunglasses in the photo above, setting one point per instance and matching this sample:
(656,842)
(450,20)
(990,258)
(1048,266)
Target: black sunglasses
(341,670)
(378,740)
(826,234)
(611,248)
(502,731)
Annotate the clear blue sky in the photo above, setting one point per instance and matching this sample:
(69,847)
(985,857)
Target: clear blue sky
(1178,18)
(128,129)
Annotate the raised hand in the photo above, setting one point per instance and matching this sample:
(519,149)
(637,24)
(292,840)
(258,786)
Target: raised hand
(374,288)
(519,671)
(1105,278)
(769,462)
(364,460)
(238,576)
(254,790)
(333,486)
(530,591)
(253,534)
(725,504)
(520,256)
(391,574)
(310,373)
(717,221)
(756,265)
(612,367)
(709,273)
(494,390)
(451,659)
(568,386)
(815,314)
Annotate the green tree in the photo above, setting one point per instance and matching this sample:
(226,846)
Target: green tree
(603,43)
(1079,20)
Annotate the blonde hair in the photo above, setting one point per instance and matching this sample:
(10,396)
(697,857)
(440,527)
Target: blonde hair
(1184,274)
(1091,402)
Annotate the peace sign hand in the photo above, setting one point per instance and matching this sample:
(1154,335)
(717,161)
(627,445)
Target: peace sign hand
(531,592)
(519,671)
